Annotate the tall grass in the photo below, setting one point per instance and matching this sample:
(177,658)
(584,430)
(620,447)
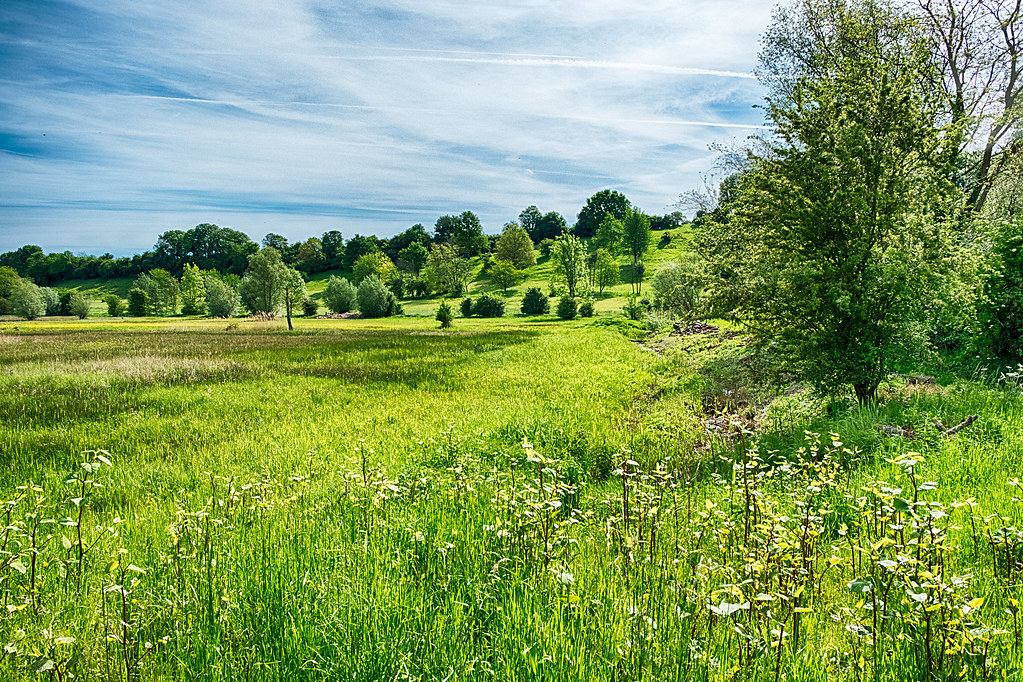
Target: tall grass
(513,504)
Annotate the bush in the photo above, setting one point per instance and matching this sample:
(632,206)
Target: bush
(586,308)
(567,308)
(677,288)
(633,309)
(340,295)
(373,297)
(466,307)
(138,302)
(535,303)
(222,299)
(488,305)
(393,305)
(310,307)
(115,305)
(27,301)
(444,315)
(78,305)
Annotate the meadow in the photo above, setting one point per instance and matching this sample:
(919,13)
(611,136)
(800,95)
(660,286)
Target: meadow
(510,499)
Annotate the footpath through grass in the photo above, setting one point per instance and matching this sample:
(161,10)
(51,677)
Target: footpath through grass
(356,501)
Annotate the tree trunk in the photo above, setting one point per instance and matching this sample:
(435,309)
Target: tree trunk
(287,305)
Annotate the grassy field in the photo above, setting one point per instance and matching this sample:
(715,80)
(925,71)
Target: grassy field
(508,500)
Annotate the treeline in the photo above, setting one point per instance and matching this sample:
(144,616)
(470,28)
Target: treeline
(211,247)
(221,272)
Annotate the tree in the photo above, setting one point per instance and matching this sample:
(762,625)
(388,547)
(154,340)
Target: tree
(26,300)
(222,299)
(52,300)
(515,246)
(193,291)
(677,286)
(262,287)
(161,290)
(567,308)
(372,296)
(504,274)
(445,270)
(606,272)
(276,241)
(635,234)
(610,235)
(333,248)
(138,302)
(530,219)
(534,302)
(339,295)
(376,263)
(568,262)
(309,256)
(414,235)
(9,280)
(115,305)
(412,258)
(599,205)
(464,231)
(832,253)
(358,246)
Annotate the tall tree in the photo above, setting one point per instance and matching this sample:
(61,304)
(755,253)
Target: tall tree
(832,252)
(333,248)
(636,234)
(515,246)
(568,262)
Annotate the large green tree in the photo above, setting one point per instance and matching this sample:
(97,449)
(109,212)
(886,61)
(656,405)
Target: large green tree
(514,245)
(568,262)
(833,250)
(599,205)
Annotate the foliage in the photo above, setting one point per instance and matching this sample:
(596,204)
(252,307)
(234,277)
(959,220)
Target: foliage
(586,308)
(372,297)
(356,247)
(263,287)
(375,263)
(78,305)
(515,246)
(606,272)
(310,307)
(339,295)
(504,274)
(568,262)
(115,305)
(609,235)
(465,307)
(446,271)
(162,290)
(534,302)
(9,279)
(444,315)
(309,256)
(541,226)
(633,309)
(222,299)
(833,252)
(412,258)
(596,208)
(27,301)
(567,308)
(677,286)
(138,302)
(635,234)
(193,291)
(52,300)
(333,245)
(488,305)
(1004,288)
(463,231)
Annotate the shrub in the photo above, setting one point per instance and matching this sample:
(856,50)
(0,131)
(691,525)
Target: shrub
(393,305)
(535,303)
(78,305)
(677,286)
(115,305)
(466,307)
(372,297)
(222,299)
(340,295)
(310,307)
(488,306)
(586,308)
(633,309)
(567,308)
(444,315)
(138,302)
(26,301)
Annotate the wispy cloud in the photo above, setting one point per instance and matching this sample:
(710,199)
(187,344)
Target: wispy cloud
(123,119)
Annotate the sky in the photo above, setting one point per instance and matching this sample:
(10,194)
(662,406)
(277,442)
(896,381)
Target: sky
(122,119)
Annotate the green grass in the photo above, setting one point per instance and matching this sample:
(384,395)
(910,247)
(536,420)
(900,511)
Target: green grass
(354,500)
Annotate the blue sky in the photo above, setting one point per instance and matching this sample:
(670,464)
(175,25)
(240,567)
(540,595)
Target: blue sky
(121,119)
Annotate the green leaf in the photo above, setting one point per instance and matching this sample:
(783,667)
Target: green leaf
(860,585)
